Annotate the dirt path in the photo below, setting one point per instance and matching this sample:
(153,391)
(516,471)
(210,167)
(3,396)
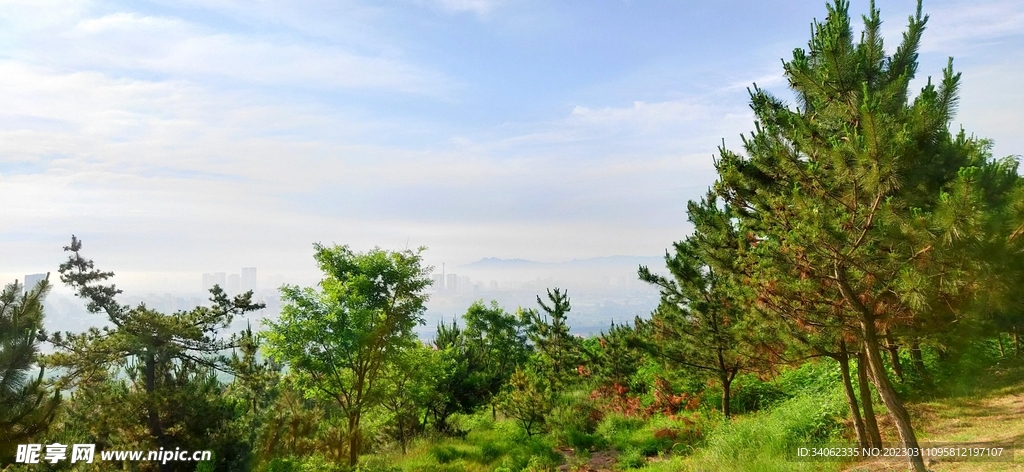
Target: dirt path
(996,417)
(598,461)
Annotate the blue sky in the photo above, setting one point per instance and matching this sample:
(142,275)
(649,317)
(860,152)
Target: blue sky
(179,137)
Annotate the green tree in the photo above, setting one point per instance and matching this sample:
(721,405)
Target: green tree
(410,381)
(860,197)
(702,320)
(557,351)
(456,387)
(169,361)
(614,357)
(253,392)
(338,341)
(528,399)
(499,339)
(26,406)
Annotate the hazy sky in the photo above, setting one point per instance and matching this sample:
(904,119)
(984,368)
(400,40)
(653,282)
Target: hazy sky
(187,136)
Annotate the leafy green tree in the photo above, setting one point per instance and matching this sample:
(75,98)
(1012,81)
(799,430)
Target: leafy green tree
(557,351)
(860,197)
(410,383)
(338,341)
(499,339)
(475,362)
(169,360)
(456,388)
(26,406)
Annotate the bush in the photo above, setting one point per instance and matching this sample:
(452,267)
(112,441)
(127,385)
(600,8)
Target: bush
(811,378)
(573,424)
(752,394)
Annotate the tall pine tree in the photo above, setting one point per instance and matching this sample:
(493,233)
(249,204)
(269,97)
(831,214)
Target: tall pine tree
(26,406)
(860,197)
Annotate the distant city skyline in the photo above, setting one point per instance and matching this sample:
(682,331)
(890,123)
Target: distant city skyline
(599,296)
(31,280)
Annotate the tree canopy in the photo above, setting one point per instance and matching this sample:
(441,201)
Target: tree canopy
(340,339)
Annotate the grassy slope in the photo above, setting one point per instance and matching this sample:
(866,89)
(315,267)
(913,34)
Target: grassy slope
(988,407)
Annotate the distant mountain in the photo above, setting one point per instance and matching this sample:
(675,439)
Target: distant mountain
(616,260)
(496,263)
(489,263)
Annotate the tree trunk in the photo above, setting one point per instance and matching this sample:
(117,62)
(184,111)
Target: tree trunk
(870,423)
(1016,342)
(153,413)
(726,385)
(999,339)
(851,399)
(894,355)
(401,435)
(878,376)
(353,439)
(725,399)
(899,414)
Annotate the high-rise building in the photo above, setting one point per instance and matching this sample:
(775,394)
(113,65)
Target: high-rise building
(438,282)
(32,279)
(234,282)
(452,284)
(248,281)
(207,282)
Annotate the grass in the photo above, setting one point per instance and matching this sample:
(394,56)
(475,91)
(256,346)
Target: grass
(762,441)
(980,407)
(489,446)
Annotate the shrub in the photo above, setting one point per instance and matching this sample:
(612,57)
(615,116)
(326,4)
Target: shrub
(573,424)
(752,394)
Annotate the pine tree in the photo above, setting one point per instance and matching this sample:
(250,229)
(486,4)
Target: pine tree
(702,323)
(170,361)
(26,406)
(556,349)
(860,198)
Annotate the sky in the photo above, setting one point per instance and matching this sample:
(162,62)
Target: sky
(187,136)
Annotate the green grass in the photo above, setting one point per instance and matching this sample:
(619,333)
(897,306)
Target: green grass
(762,441)
(806,407)
(489,446)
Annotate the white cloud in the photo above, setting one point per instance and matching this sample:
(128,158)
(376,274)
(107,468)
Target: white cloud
(953,28)
(126,42)
(480,7)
